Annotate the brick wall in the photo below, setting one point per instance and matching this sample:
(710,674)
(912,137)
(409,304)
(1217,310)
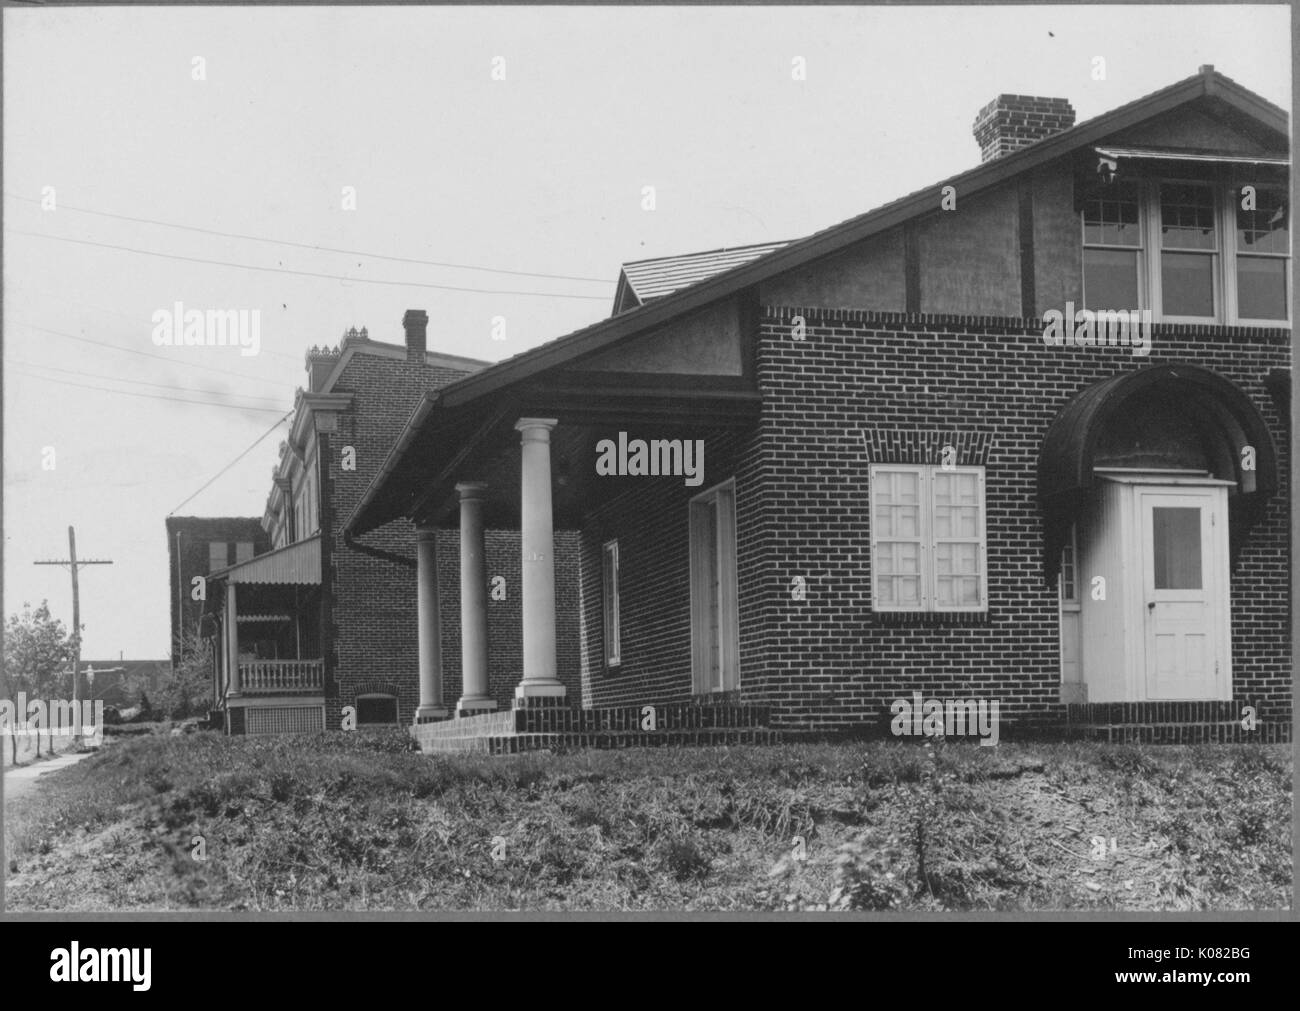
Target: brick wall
(196,533)
(649,517)
(830,660)
(861,380)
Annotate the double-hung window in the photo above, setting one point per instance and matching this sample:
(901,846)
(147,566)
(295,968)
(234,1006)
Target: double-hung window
(1263,246)
(1190,250)
(1112,248)
(928,548)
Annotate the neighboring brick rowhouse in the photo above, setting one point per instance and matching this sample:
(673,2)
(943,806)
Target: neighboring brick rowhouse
(195,535)
(1011,122)
(801,474)
(373,628)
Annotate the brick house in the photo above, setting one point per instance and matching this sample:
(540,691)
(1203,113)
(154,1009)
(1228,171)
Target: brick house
(1021,435)
(316,621)
(196,546)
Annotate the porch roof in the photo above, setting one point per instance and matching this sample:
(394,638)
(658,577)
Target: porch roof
(294,564)
(1066,470)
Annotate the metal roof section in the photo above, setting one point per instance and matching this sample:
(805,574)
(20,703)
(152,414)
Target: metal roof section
(296,564)
(662,275)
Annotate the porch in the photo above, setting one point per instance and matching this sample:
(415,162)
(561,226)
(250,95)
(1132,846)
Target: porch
(268,669)
(539,460)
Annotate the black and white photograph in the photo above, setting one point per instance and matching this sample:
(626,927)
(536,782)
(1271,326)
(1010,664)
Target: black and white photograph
(649,461)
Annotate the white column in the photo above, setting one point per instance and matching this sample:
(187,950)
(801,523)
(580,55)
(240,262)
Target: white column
(429,630)
(473,603)
(232,636)
(537,549)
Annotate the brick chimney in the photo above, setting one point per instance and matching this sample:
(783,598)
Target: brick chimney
(416,324)
(1011,122)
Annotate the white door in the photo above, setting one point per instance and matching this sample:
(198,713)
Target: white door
(1184,602)
(715,636)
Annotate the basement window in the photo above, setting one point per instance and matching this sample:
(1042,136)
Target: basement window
(928,551)
(376,710)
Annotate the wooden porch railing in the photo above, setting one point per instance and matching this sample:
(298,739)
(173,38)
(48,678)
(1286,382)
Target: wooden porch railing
(281,676)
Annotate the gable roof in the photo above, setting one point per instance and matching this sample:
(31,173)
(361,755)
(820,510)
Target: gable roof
(1207,84)
(642,281)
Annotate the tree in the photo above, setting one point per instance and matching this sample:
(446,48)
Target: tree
(36,648)
(187,690)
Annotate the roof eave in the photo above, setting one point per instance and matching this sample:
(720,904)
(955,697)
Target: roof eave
(864,226)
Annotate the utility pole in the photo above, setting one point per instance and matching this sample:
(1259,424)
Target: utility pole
(74,565)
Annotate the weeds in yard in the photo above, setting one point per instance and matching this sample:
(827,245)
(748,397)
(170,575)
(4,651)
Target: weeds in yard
(356,821)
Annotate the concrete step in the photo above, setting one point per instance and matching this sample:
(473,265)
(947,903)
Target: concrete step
(509,744)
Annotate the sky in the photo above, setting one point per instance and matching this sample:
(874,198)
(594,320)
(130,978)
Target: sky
(517,140)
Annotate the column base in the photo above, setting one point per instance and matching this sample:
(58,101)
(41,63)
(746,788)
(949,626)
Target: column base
(475,705)
(539,690)
(430,714)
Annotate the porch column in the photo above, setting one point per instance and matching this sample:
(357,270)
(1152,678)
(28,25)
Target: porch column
(537,550)
(232,636)
(473,604)
(430,635)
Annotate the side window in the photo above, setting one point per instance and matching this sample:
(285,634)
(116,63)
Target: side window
(609,585)
(1068,578)
(928,550)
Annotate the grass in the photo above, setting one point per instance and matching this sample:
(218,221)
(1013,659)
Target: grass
(357,821)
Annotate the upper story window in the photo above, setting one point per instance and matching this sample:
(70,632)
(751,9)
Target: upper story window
(1112,249)
(1189,251)
(217,552)
(1192,251)
(1263,247)
(243,551)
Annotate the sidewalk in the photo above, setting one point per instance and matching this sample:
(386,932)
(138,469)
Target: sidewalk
(18,781)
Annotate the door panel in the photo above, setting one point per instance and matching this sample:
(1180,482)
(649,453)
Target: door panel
(714,604)
(1183,592)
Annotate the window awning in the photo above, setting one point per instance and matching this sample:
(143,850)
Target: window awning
(1066,472)
(1186,154)
(294,564)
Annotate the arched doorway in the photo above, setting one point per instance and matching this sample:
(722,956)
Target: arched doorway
(1146,481)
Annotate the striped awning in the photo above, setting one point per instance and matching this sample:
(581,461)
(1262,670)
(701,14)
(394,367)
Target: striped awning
(295,564)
